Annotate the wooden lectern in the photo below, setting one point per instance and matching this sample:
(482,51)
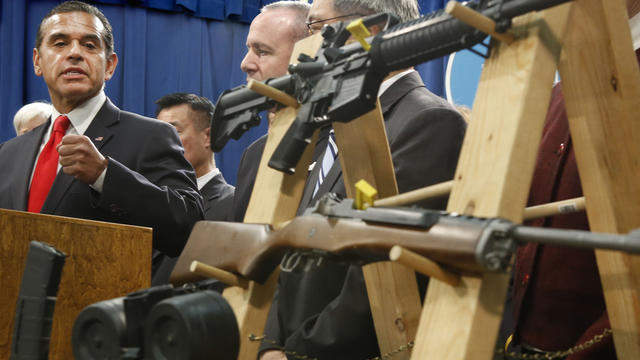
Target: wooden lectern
(104,261)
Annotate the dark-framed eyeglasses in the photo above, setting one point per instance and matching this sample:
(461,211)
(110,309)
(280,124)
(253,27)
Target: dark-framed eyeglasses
(312,28)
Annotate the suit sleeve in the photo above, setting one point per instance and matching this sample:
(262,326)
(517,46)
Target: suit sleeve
(244,188)
(247,172)
(161,194)
(425,150)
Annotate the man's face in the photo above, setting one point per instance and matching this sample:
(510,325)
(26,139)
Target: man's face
(269,45)
(72,58)
(195,141)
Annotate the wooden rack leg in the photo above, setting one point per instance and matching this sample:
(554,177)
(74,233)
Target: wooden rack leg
(493,177)
(602,97)
(391,287)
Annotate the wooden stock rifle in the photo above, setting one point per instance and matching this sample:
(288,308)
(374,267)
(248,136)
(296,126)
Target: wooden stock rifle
(334,229)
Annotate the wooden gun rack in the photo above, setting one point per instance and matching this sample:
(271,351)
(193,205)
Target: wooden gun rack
(589,42)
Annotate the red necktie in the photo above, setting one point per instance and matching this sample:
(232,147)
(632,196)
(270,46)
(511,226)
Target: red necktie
(47,166)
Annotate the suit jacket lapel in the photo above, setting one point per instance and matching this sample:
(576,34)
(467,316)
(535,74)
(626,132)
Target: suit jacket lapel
(210,190)
(100,133)
(22,181)
(308,188)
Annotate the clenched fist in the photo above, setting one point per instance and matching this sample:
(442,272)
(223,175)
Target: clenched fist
(80,158)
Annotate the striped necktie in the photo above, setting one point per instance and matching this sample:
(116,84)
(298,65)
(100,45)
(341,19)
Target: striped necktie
(329,157)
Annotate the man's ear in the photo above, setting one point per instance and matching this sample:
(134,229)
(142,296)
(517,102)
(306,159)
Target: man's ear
(207,137)
(36,62)
(112,62)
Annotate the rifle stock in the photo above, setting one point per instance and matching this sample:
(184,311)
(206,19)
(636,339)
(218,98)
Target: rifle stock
(254,250)
(333,228)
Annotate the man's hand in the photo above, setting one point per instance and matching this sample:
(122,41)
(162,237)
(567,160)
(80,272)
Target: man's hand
(273,355)
(80,158)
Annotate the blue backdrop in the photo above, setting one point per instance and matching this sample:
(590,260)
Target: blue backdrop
(163,46)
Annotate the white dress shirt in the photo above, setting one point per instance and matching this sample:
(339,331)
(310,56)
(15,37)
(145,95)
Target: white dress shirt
(204,179)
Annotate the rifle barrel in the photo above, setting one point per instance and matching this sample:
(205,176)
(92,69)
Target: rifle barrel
(577,238)
(438,34)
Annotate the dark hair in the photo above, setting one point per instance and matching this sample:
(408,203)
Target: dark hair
(198,103)
(79,6)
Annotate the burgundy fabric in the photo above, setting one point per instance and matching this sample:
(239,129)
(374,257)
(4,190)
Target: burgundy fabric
(557,294)
(47,166)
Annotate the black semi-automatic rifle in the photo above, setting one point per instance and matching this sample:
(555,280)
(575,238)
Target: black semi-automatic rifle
(341,83)
(334,229)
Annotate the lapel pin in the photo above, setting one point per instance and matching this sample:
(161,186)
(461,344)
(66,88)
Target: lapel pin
(99,138)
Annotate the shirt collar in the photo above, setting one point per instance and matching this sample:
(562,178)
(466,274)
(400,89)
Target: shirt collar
(634,23)
(390,81)
(204,179)
(82,115)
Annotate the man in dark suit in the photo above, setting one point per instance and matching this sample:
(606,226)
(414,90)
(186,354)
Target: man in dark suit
(116,166)
(267,57)
(191,115)
(323,312)
(558,301)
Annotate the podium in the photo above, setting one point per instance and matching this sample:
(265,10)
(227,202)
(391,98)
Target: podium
(104,261)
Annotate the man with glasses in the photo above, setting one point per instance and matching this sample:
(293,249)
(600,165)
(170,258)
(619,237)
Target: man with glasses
(317,25)
(323,312)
